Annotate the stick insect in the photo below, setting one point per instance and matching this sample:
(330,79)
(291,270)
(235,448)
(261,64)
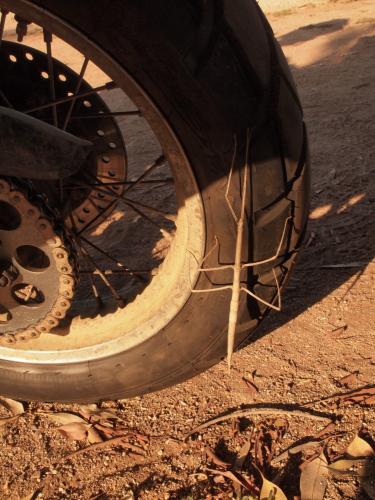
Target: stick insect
(238,265)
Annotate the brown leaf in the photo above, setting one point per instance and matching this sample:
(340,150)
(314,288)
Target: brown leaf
(342,464)
(87,410)
(219,479)
(235,478)
(251,387)
(242,456)
(293,450)
(15,407)
(106,418)
(313,481)
(271,491)
(93,436)
(349,380)
(328,430)
(370,401)
(77,431)
(63,418)
(215,459)
(359,396)
(359,448)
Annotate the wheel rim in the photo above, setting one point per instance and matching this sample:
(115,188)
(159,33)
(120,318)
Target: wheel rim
(114,330)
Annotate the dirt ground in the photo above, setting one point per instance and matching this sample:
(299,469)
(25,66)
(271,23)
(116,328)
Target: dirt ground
(308,361)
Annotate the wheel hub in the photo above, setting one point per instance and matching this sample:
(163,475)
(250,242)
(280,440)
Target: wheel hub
(27,87)
(36,267)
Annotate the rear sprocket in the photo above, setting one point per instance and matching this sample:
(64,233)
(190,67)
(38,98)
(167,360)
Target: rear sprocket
(37,265)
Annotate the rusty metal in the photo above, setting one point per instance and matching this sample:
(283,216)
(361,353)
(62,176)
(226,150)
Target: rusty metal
(22,27)
(37,267)
(8,273)
(4,14)
(33,149)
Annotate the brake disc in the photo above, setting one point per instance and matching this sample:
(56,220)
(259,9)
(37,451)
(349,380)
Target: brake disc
(26,83)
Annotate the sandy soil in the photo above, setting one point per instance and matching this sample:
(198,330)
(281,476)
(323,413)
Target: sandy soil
(299,357)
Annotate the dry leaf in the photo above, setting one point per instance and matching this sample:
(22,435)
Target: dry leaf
(293,450)
(15,407)
(87,410)
(328,429)
(251,387)
(270,491)
(242,456)
(370,401)
(215,459)
(104,417)
(237,479)
(359,448)
(313,481)
(93,436)
(345,465)
(349,379)
(360,396)
(93,414)
(219,479)
(63,418)
(77,431)
(342,464)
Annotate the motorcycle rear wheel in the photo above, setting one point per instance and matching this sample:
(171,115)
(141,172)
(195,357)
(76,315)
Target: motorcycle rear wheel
(206,77)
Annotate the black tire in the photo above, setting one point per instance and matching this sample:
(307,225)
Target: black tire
(215,71)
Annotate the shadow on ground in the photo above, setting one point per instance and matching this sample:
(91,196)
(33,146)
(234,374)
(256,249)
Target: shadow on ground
(342,225)
(311,31)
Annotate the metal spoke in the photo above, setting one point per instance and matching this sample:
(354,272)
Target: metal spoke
(4,13)
(5,99)
(110,272)
(119,299)
(78,88)
(98,271)
(157,163)
(146,217)
(113,114)
(96,218)
(95,291)
(113,259)
(167,180)
(133,203)
(106,86)
(48,41)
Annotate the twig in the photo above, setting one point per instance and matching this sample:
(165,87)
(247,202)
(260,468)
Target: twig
(263,410)
(105,444)
(345,395)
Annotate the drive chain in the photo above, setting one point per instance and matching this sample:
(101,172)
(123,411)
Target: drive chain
(35,209)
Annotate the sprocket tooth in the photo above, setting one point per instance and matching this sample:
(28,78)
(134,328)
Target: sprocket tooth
(51,238)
